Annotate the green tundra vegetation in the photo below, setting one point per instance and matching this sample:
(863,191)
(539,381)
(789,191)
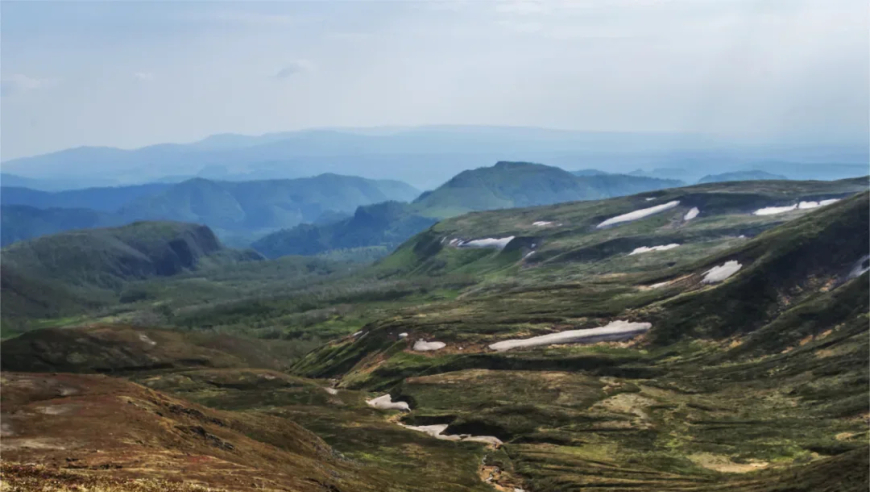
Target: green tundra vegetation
(241,373)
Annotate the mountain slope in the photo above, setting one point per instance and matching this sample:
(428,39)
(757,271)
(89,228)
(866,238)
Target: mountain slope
(565,234)
(384,224)
(755,381)
(91,264)
(504,185)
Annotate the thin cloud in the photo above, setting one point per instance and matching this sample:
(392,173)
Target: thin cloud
(18,83)
(144,76)
(293,68)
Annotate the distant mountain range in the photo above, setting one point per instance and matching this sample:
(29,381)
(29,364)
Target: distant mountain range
(103,199)
(22,222)
(740,176)
(237,210)
(504,185)
(423,156)
(677,173)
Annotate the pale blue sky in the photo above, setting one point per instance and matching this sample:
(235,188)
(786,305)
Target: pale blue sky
(129,74)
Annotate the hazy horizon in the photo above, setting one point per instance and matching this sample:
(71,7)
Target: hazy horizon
(134,74)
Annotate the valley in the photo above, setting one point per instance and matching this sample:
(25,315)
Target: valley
(435,246)
(735,360)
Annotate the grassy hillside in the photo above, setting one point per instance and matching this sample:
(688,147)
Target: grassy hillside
(504,185)
(563,240)
(748,384)
(92,263)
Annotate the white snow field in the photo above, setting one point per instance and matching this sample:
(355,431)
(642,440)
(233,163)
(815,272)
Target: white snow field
(799,206)
(809,205)
(638,214)
(645,249)
(721,272)
(424,346)
(615,330)
(386,402)
(691,214)
(774,210)
(489,242)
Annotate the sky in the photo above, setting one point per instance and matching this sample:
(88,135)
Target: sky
(128,74)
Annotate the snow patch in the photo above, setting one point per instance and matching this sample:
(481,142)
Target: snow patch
(437,431)
(658,285)
(454,242)
(357,334)
(644,249)
(147,340)
(530,253)
(859,267)
(691,214)
(650,198)
(721,272)
(386,402)
(489,242)
(613,331)
(638,214)
(541,223)
(774,210)
(403,335)
(809,205)
(331,391)
(424,346)
(491,440)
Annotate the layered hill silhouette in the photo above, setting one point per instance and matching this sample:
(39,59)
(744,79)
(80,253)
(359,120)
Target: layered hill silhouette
(740,176)
(504,185)
(234,210)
